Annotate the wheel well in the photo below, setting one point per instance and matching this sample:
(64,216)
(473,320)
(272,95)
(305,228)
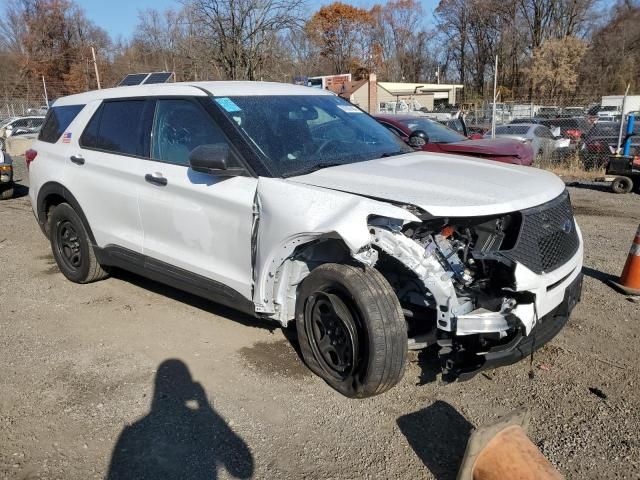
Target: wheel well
(53,194)
(50,201)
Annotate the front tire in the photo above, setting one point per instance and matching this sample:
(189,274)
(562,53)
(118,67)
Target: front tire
(351,329)
(72,247)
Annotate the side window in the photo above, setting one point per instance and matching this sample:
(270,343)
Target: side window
(117,127)
(57,121)
(179,127)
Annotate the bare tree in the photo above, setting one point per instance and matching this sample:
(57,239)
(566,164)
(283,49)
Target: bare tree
(452,18)
(239,33)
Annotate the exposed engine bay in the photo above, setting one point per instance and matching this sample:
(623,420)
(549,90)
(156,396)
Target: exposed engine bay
(463,295)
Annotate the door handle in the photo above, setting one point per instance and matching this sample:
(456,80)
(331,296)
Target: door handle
(77,160)
(156,179)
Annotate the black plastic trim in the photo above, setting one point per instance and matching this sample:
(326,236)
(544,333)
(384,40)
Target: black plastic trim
(157,270)
(54,188)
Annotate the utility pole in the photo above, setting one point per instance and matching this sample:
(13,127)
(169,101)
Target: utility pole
(46,97)
(495,96)
(95,66)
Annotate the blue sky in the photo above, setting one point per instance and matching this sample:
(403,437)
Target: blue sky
(119,17)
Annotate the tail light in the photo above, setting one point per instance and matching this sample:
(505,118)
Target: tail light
(30,155)
(574,133)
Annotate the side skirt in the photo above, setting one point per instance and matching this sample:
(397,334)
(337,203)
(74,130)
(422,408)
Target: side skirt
(115,256)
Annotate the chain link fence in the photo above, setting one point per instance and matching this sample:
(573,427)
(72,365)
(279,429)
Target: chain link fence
(21,108)
(581,133)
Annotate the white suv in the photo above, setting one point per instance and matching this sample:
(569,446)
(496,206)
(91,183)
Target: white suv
(288,203)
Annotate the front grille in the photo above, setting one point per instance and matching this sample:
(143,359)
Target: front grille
(548,236)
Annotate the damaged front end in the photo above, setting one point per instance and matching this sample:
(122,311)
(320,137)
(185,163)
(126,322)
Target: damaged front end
(480,287)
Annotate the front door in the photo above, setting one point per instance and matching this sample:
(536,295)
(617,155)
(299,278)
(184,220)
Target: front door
(195,221)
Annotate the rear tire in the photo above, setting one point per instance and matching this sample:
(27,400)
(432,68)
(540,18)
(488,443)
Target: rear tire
(351,329)
(622,185)
(72,247)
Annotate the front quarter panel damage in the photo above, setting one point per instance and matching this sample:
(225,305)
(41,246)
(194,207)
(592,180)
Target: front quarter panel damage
(292,215)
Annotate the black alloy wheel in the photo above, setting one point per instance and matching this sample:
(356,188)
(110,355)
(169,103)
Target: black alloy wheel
(331,326)
(68,245)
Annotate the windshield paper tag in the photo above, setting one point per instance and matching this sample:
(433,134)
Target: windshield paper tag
(228,104)
(349,109)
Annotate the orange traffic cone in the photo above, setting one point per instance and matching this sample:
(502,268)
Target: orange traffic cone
(629,283)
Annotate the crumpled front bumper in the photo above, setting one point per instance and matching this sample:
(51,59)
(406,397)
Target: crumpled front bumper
(521,345)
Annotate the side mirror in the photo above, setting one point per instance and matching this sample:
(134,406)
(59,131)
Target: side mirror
(418,138)
(213,159)
(9,127)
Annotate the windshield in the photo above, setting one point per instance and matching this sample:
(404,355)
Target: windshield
(297,134)
(437,132)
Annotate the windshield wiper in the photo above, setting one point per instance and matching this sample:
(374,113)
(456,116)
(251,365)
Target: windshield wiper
(393,154)
(311,169)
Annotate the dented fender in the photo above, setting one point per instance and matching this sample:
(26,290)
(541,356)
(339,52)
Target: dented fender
(293,214)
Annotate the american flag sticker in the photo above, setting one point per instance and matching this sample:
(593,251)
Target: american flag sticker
(66,138)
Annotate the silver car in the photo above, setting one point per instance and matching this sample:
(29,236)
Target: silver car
(541,138)
(18,126)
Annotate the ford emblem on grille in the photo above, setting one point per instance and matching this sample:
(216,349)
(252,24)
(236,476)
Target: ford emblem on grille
(567,226)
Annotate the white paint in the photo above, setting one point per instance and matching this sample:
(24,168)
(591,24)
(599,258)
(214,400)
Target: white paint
(193,89)
(204,223)
(443,184)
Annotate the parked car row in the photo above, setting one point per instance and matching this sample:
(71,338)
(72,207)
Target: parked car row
(593,142)
(292,205)
(432,136)
(19,126)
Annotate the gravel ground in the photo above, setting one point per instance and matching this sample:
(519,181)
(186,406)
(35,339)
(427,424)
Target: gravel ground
(92,373)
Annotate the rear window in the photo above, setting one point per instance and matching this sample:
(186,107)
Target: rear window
(116,127)
(57,121)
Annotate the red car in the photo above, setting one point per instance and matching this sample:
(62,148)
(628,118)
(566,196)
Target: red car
(441,139)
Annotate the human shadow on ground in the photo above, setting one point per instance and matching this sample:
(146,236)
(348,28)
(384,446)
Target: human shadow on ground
(182,437)
(438,434)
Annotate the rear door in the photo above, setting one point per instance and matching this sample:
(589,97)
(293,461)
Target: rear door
(103,170)
(195,221)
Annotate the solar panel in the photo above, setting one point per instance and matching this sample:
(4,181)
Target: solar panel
(158,77)
(133,79)
(145,78)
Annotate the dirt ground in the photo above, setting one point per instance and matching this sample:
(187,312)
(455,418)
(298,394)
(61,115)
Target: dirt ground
(91,373)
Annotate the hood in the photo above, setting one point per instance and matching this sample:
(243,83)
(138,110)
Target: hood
(498,147)
(442,184)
